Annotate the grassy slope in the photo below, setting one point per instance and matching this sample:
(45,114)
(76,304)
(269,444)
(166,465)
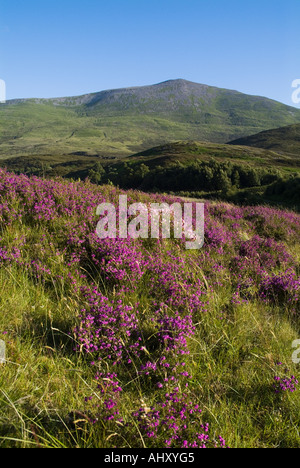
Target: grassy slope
(202,151)
(122,122)
(233,353)
(285,140)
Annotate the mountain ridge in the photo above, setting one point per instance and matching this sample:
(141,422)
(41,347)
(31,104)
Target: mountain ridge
(124,121)
(178,81)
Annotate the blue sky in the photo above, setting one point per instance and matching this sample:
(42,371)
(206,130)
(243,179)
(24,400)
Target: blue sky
(54,48)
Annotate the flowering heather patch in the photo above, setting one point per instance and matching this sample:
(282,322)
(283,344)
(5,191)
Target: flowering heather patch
(148,313)
(283,288)
(109,390)
(106,329)
(180,421)
(117,261)
(265,253)
(285,384)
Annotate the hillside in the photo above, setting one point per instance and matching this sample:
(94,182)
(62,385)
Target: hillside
(185,152)
(125,121)
(284,140)
(194,169)
(190,151)
(143,344)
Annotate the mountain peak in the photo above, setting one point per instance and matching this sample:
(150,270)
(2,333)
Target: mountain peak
(178,81)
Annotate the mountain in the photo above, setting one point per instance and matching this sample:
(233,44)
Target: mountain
(284,140)
(125,121)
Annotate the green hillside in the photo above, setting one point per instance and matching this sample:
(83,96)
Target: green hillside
(284,140)
(197,150)
(126,121)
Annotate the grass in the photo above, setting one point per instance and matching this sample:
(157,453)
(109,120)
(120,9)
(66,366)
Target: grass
(39,376)
(232,361)
(233,353)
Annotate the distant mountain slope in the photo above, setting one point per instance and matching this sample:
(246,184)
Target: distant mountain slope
(191,151)
(125,121)
(285,140)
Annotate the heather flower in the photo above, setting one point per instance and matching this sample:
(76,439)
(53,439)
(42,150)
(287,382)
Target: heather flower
(285,384)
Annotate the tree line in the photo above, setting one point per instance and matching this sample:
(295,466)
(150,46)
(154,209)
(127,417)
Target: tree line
(206,176)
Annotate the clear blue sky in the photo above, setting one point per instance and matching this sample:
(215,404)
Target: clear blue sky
(54,48)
